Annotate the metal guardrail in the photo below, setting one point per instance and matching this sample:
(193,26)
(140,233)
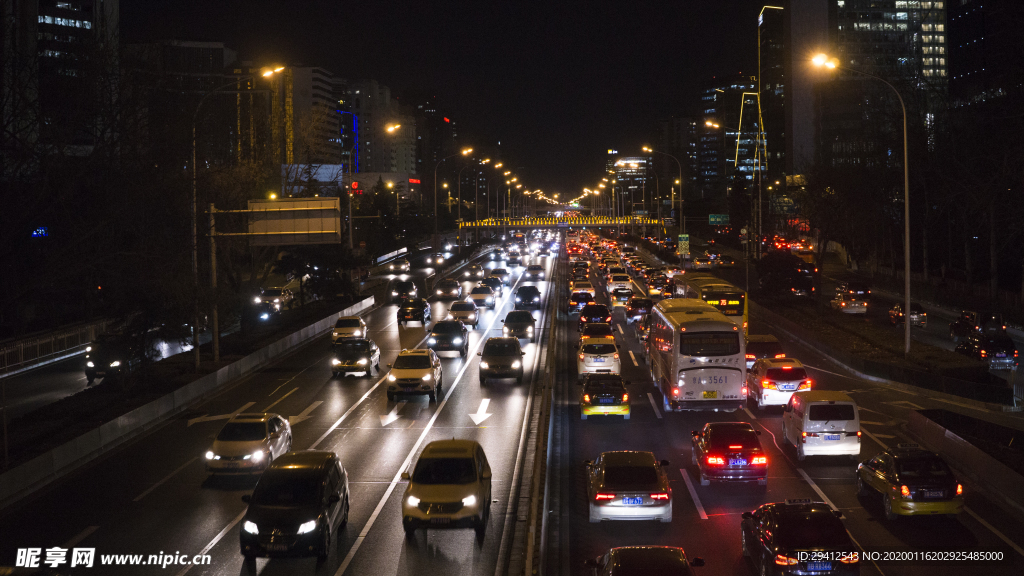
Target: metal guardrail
(23,353)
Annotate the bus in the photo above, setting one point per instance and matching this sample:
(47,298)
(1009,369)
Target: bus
(728,299)
(696,357)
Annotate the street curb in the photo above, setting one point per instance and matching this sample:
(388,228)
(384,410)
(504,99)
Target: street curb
(26,478)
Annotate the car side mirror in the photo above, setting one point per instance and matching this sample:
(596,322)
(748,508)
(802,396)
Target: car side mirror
(405,476)
(389,365)
(788,408)
(758,432)
(503,321)
(746,515)
(521,353)
(486,475)
(627,383)
(247,498)
(697,562)
(694,433)
(664,463)
(333,499)
(479,353)
(838,513)
(588,463)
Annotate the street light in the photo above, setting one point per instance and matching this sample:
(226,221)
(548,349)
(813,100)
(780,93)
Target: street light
(393,127)
(833,63)
(464,152)
(682,220)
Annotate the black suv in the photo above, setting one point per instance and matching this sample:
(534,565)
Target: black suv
(995,349)
(594,313)
(774,534)
(637,307)
(527,297)
(109,356)
(501,358)
(449,336)
(970,322)
(403,290)
(414,310)
(298,504)
(494,284)
(520,324)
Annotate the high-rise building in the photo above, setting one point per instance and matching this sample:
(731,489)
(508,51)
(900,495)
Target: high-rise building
(635,188)
(729,134)
(677,135)
(985,60)
(772,89)
(387,131)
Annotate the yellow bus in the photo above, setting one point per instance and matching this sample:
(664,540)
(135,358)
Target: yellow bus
(730,300)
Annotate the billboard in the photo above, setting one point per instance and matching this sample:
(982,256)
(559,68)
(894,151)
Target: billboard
(291,221)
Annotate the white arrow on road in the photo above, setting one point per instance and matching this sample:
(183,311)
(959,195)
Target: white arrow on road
(293,420)
(481,413)
(220,417)
(390,417)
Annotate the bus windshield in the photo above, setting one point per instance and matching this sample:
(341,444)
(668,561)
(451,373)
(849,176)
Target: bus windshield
(709,343)
(728,303)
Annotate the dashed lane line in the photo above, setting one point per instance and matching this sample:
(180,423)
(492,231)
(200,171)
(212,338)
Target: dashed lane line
(693,494)
(654,405)
(164,479)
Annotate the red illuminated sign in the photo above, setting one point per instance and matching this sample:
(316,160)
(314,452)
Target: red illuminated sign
(414,181)
(355,185)
(446,119)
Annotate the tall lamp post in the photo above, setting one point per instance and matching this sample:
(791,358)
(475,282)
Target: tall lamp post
(195,242)
(682,220)
(464,152)
(833,64)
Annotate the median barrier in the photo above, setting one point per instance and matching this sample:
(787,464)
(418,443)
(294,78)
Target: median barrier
(26,478)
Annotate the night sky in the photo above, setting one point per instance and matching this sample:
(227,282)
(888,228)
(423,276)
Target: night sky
(557,83)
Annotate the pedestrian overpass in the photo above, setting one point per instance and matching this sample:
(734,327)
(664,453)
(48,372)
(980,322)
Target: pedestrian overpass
(561,222)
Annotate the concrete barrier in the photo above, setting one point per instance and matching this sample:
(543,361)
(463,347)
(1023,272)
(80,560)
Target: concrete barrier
(26,478)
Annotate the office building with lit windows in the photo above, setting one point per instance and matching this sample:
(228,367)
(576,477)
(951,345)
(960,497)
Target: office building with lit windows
(728,134)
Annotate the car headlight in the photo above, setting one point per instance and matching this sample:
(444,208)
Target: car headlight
(256,300)
(504,329)
(518,300)
(250,527)
(413,293)
(307,527)
(472,316)
(257,456)
(394,293)
(335,361)
(469,500)
(516,364)
(88,348)
(115,363)
(484,365)
(362,361)
(89,364)
(413,501)
(264,316)
(529,328)
(536,298)
(357,333)
(438,292)
(432,341)
(457,341)
(391,378)
(391,267)
(427,378)
(489,298)
(210,455)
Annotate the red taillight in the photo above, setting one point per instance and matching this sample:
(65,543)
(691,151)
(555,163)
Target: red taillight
(768,385)
(625,397)
(608,319)
(787,367)
(959,489)
(905,491)
(806,384)
(601,496)
(760,461)
(616,355)
(983,353)
(858,435)
(785,560)
(716,461)
(743,391)
(581,355)
(586,398)
(780,355)
(735,447)
(661,496)
(675,391)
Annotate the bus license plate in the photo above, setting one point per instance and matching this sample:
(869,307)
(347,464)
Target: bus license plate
(710,380)
(710,394)
(831,436)
(632,501)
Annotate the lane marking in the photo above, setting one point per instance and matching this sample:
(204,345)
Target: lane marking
(814,486)
(481,413)
(347,413)
(216,539)
(749,413)
(872,423)
(633,358)
(693,494)
(162,480)
(654,405)
(390,417)
(904,404)
(220,416)
(619,326)
(274,403)
(994,531)
(304,415)
(81,536)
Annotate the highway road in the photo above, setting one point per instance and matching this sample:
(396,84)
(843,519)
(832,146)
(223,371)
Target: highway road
(155,496)
(706,520)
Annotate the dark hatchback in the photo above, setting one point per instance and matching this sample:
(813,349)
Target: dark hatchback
(781,538)
(414,310)
(729,452)
(520,324)
(501,358)
(403,290)
(299,503)
(637,307)
(527,297)
(594,313)
(449,336)
(578,300)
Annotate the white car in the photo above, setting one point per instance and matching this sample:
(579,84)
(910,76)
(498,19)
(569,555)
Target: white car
(773,380)
(619,281)
(466,312)
(400,265)
(450,487)
(249,443)
(597,355)
(483,297)
(415,372)
(583,286)
(348,327)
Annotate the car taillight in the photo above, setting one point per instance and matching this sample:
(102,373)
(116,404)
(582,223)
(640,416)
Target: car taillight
(744,391)
(675,391)
(581,355)
(586,398)
(780,355)
(716,461)
(616,355)
(608,319)
(959,489)
(804,435)
(625,397)
(806,384)
(659,496)
(601,496)
(905,491)
(983,353)
(759,461)
(858,435)
(768,385)
(783,560)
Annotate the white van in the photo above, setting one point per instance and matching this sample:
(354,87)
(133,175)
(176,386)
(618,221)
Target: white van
(822,423)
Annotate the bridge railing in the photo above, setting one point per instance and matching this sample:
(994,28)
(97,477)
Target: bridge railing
(563,222)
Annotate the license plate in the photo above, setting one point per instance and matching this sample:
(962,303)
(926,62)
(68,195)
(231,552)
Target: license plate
(819,566)
(231,464)
(605,400)
(933,494)
(276,547)
(787,387)
(632,501)
(710,394)
(444,520)
(598,359)
(737,462)
(1000,355)
(832,437)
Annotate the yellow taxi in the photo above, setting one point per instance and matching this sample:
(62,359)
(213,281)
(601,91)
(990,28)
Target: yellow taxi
(912,482)
(604,395)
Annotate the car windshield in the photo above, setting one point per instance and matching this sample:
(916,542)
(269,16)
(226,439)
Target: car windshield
(411,361)
(826,412)
(520,316)
(783,374)
(450,327)
(347,323)
(599,348)
(462,307)
(922,468)
(405,286)
(605,384)
(620,278)
(733,436)
(641,303)
(811,530)
(534,268)
(353,347)
(501,348)
(444,471)
(857,287)
(581,297)
(599,329)
(997,342)
(242,432)
(916,309)
(528,291)
(709,344)
(412,302)
(449,284)
(286,488)
(595,310)
(482,290)
(499,271)
(271,292)
(627,476)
